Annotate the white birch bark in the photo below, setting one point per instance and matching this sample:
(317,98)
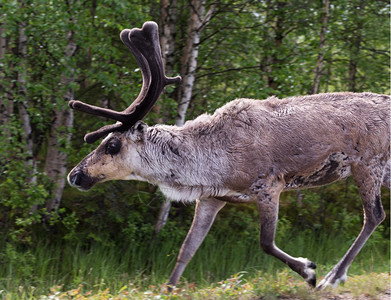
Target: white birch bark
(167,39)
(23,104)
(6,99)
(56,158)
(198,20)
(168,32)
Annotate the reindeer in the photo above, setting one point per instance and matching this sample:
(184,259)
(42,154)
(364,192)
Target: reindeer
(247,151)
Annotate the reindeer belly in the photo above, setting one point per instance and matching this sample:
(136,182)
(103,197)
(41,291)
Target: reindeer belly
(335,168)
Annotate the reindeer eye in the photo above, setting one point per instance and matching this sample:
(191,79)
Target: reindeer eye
(113,146)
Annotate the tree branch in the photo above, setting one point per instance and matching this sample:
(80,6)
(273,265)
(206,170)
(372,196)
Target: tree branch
(228,70)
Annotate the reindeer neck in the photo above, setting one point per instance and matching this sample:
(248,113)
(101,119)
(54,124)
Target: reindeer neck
(183,167)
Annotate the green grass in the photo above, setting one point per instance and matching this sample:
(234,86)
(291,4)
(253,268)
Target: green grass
(265,286)
(145,267)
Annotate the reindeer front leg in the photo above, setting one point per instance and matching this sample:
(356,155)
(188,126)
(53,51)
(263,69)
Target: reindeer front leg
(268,193)
(205,213)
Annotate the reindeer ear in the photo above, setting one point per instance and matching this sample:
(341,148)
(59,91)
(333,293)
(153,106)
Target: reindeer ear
(137,132)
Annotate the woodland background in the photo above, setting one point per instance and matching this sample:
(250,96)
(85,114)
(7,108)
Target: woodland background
(54,51)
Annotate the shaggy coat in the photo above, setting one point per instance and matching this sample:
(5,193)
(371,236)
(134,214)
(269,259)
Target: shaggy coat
(309,141)
(251,151)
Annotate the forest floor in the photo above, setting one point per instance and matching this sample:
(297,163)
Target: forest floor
(345,295)
(358,287)
(386,295)
(368,289)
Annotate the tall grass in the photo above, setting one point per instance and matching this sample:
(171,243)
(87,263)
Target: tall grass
(100,266)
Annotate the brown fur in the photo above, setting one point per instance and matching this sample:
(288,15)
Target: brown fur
(251,151)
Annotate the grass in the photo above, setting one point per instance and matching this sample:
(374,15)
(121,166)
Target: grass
(281,285)
(64,271)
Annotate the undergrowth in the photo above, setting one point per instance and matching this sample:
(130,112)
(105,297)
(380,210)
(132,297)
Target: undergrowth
(280,285)
(100,271)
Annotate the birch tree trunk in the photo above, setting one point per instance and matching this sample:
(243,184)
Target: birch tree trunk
(2,41)
(6,85)
(23,104)
(60,135)
(168,33)
(198,21)
(355,48)
(168,19)
(168,30)
(272,63)
(319,61)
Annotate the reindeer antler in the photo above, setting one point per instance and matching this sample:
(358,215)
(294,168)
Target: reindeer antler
(144,44)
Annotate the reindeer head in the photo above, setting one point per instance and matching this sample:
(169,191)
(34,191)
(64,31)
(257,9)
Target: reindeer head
(119,147)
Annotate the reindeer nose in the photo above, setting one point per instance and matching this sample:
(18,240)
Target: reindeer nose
(76,178)
(80,180)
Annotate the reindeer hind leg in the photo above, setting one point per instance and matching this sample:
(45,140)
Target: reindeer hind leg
(368,179)
(268,192)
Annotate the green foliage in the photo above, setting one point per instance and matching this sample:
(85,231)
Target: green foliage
(19,191)
(278,286)
(99,267)
(249,49)
(18,195)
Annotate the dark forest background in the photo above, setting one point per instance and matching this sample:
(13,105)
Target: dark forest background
(54,51)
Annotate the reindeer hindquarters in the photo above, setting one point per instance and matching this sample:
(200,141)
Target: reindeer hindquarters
(368,179)
(205,213)
(268,193)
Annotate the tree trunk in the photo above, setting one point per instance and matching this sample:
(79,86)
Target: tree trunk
(6,85)
(55,164)
(198,21)
(60,136)
(168,33)
(163,216)
(23,104)
(168,16)
(2,41)
(167,39)
(189,64)
(355,48)
(271,64)
(319,61)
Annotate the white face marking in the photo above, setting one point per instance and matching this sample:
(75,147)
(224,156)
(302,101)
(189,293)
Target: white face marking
(116,158)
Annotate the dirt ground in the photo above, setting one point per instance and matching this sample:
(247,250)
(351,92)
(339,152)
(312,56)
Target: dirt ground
(348,296)
(386,295)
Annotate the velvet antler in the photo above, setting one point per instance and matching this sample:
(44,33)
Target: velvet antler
(144,44)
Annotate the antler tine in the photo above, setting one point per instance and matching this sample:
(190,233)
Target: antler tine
(144,44)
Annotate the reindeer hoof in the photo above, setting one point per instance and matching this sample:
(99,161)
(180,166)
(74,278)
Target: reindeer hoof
(312,281)
(309,271)
(311,276)
(331,281)
(312,265)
